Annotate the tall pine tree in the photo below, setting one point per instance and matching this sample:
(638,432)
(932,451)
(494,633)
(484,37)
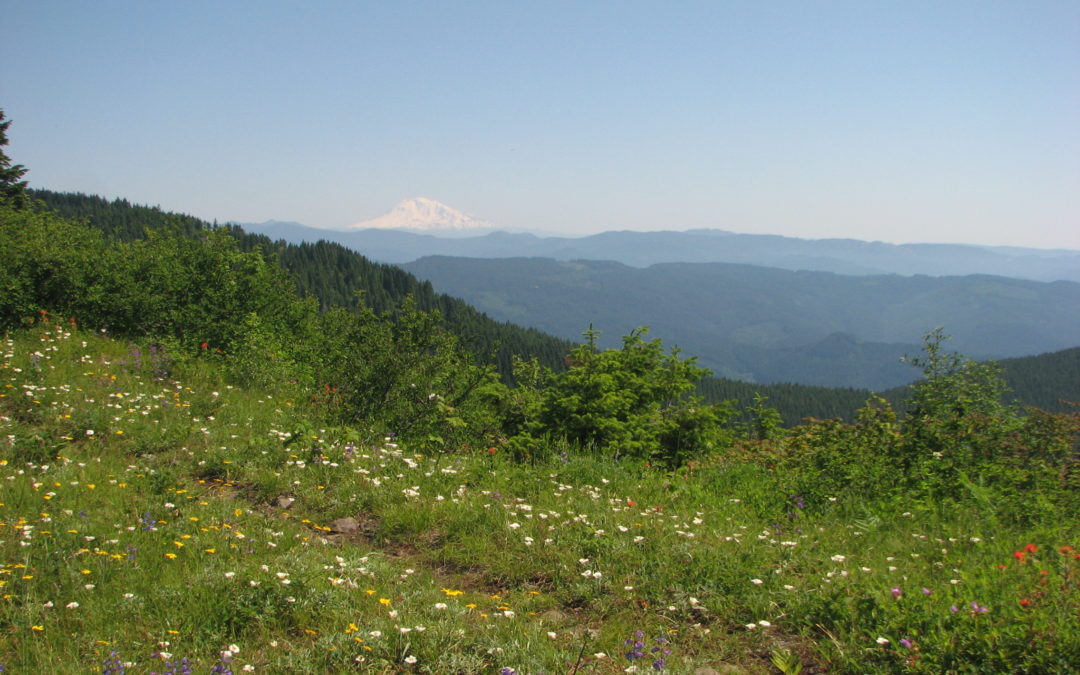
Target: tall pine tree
(12,187)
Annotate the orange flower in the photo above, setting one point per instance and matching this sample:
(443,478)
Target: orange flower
(1019,555)
(1030,548)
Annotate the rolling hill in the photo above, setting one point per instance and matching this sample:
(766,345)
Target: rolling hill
(766,324)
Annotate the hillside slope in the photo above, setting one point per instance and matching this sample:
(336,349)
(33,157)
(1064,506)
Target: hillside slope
(766,324)
(330,272)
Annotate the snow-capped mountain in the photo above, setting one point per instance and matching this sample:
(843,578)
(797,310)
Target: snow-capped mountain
(423,214)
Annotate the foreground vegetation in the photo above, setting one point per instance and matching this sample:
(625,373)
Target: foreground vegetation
(155,515)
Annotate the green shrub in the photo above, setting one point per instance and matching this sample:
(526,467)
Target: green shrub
(632,401)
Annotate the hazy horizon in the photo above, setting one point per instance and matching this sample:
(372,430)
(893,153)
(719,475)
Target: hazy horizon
(911,122)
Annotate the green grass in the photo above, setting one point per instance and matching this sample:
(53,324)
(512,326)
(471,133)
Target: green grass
(159,537)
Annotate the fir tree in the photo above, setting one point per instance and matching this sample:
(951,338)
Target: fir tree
(12,187)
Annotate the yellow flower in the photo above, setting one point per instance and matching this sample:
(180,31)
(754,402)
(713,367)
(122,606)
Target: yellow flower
(170,556)
(451,593)
(384,601)
(210,550)
(37,628)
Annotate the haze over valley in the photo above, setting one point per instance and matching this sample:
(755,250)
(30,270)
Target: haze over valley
(761,308)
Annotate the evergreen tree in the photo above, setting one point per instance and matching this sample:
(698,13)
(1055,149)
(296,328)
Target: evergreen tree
(12,187)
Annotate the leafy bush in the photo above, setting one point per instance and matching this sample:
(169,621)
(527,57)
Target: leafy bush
(631,401)
(407,373)
(831,458)
(47,264)
(958,444)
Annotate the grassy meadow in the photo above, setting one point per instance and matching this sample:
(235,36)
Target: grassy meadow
(154,518)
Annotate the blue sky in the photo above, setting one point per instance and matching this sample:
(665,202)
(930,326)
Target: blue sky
(895,121)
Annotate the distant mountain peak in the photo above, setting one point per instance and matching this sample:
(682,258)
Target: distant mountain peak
(421,213)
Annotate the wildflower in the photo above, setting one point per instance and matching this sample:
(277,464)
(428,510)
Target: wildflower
(882,641)
(926,591)
(410,659)
(756,582)
(896,592)
(905,643)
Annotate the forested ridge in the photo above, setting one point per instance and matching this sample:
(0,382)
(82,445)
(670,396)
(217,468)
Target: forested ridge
(333,274)
(338,276)
(771,325)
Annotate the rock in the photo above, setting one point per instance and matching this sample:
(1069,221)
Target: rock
(344,526)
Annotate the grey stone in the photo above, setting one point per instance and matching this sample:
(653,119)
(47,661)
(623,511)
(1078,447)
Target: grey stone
(344,525)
